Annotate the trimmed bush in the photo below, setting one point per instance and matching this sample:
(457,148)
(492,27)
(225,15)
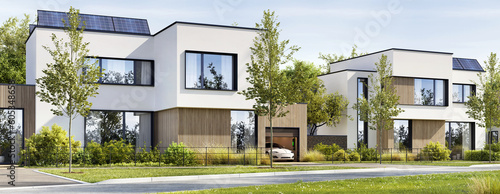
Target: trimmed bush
(327,150)
(178,154)
(119,151)
(354,156)
(341,155)
(367,154)
(436,152)
(399,156)
(313,156)
(495,147)
(481,155)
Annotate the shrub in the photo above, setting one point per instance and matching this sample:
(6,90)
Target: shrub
(49,147)
(495,147)
(367,154)
(481,155)
(327,150)
(436,151)
(354,156)
(487,184)
(341,155)
(399,156)
(178,154)
(146,154)
(119,151)
(95,153)
(313,156)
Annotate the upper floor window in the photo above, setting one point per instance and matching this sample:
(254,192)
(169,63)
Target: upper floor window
(461,92)
(125,71)
(431,92)
(210,71)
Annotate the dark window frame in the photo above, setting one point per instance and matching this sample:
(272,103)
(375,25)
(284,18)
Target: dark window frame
(472,91)
(22,121)
(489,137)
(363,80)
(445,92)
(125,59)
(410,132)
(123,124)
(256,143)
(234,72)
(472,126)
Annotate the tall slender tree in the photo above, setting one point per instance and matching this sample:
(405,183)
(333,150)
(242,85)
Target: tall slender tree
(484,106)
(268,84)
(71,79)
(13,34)
(332,58)
(382,103)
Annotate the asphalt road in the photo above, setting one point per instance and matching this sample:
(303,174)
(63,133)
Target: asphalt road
(179,185)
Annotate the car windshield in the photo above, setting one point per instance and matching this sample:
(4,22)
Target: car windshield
(275,145)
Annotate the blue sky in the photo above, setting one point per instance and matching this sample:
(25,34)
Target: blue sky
(469,29)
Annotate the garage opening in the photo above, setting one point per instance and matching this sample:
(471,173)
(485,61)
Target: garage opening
(287,138)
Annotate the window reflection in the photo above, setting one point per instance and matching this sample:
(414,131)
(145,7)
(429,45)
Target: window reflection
(402,134)
(210,71)
(243,129)
(122,71)
(459,137)
(362,125)
(430,92)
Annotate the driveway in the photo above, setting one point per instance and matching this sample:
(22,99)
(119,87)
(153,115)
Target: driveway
(28,178)
(153,185)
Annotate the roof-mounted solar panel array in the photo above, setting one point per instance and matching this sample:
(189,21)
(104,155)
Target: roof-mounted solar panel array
(466,64)
(96,22)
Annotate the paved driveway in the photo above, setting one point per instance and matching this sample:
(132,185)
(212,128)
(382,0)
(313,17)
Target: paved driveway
(28,177)
(208,182)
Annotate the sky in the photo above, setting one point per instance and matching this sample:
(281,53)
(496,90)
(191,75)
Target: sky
(469,29)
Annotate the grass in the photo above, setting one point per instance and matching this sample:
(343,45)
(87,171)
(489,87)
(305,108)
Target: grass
(434,163)
(435,183)
(93,175)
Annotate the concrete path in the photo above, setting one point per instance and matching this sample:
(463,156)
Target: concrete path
(153,185)
(28,178)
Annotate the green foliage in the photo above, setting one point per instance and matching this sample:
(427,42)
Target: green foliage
(96,153)
(341,155)
(383,103)
(13,34)
(143,155)
(485,184)
(367,154)
(481,155)
(49,147)
(354,156)
(119,151)
(332,58)
(313,156)
(178,154)
(306,87)
(495,147)
(71,79)
(326,150)
(436,151)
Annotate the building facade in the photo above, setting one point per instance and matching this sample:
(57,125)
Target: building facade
(432,87)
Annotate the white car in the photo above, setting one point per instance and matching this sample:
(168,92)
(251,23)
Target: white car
(279,152)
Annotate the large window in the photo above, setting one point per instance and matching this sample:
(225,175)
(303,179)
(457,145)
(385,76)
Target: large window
(362,125)
(431,92)
(11,126)
(492,137)
(210,71)
(460,136)
(133,127)
(125,71)
(461,92)
(243,129)
(402,134)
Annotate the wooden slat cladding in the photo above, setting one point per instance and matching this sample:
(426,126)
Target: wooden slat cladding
(405,89)
(297,117)
(25,99)
(166,128)
(387,138)
(205,127)
(424,131)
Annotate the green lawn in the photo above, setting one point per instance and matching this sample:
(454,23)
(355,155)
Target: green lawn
(93,175)
(436,183)
(434,163)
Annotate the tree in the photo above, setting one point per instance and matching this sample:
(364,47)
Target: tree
(306,87)
(71,79)
(13,34)
(332,58)
(382,104)
(484,106)
(268,84)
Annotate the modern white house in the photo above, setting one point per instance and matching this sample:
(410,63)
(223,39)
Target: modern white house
(432,86)
(178,85)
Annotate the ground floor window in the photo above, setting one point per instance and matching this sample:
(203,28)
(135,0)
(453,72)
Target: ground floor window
(492,137)
(133,127)
(11,124)
(402,134)
(460,136)
(243,132)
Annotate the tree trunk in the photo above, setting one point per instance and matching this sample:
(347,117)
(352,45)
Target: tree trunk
(271,129)
(70,158)
(380,145)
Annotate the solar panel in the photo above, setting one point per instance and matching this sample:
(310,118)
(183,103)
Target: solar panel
(130,25)
(96,22)
(470,64)
(456,64)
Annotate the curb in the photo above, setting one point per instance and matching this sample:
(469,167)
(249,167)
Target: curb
(61,177)
(484,165)
(243,175)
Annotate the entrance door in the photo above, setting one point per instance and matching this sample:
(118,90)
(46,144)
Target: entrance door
(286,137)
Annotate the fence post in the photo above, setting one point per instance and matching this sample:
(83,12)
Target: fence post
(344,157)
(244,161)
(332,156)
(110,156)
(206,156)
(183,157)
(57,155)
(391,155)
(135,156)
(256,155)
(228,155)
(159,157)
